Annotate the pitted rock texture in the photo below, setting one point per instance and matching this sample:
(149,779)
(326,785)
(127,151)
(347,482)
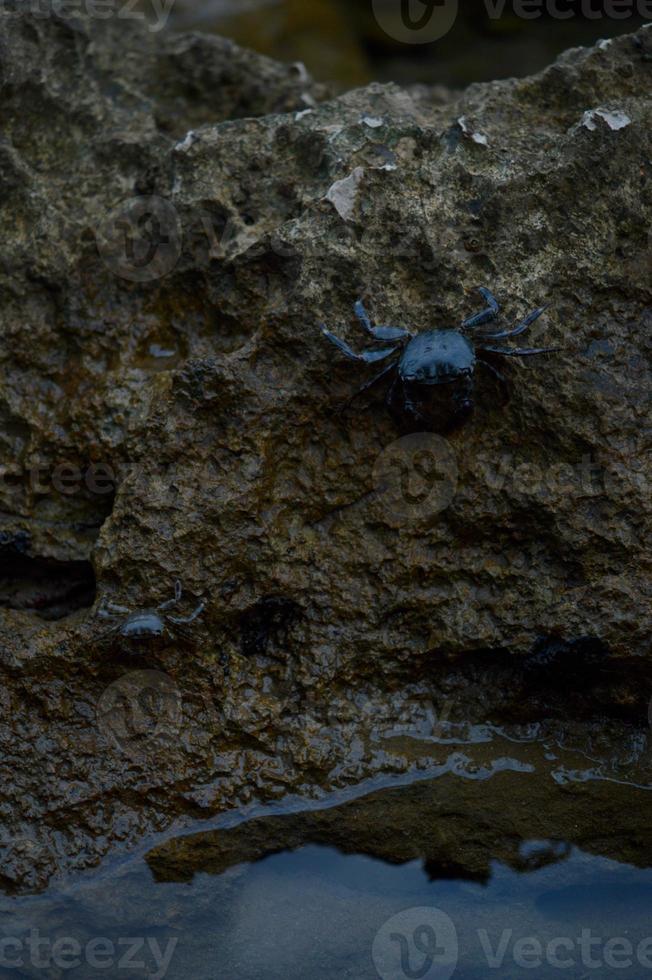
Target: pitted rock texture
(209,397)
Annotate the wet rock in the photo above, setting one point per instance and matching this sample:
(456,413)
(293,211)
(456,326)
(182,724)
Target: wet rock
(458,828)
(168,410)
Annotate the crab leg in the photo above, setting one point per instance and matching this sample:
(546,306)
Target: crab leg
(172,602)
(379,333)
(107,610)
(410,406)
(367,356)
(492,370)
(106,635)
(181,620)
(181,633)
(370,384)
(485,316)
(521,328)
(498,375)
(519,351)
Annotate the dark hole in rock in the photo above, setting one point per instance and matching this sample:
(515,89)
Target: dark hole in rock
(265,625)
(575,677)
(558,658)
(52,589)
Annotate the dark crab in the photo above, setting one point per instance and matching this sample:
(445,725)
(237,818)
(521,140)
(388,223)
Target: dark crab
(438,357)
(148,624)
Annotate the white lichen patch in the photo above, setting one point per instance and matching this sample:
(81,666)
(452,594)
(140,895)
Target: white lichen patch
(614,118)
(184,145)
(343,193)
(476,137)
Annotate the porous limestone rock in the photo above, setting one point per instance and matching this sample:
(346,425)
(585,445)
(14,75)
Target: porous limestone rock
(168,410)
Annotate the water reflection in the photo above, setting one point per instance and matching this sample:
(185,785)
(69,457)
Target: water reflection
(315,912)
(487,864)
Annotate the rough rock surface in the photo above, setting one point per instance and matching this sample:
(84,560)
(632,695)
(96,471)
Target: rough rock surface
(457,827)
(180,355)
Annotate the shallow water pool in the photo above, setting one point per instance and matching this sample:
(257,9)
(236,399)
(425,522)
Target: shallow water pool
(317,913)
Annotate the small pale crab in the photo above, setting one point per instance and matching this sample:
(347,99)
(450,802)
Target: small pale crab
(148,624)
(438,357)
